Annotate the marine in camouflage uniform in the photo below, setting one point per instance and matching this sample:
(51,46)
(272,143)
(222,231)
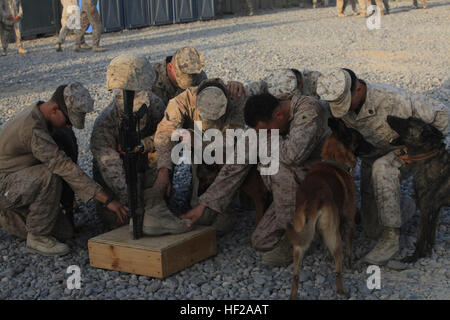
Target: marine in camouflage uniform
(214,109)
(186,69)
(33,168)
(342,4)
(64,29)
(9,11)
(286,81)
(108,170)
(381,172)
(89,16)
(298,149)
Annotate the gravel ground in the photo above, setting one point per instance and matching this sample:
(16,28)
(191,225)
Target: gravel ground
(410,51)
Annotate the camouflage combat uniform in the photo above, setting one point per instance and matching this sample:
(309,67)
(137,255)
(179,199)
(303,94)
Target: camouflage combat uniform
(108,168)
(309,80)
(381,171)
(163,87)
(380,174)
(89,16)
(181,112)
(32,170)
(10,8)
(298,149)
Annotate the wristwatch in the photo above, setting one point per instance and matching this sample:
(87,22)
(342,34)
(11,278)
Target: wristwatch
(108,201)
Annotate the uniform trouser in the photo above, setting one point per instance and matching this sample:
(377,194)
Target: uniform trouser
(108,217)
(342,4)
(272,226)
(89,17)
(380,193)
(20,214)
(63,35)
(363,4)
(4,35)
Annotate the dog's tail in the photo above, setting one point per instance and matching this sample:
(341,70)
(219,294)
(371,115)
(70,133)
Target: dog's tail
(302,231)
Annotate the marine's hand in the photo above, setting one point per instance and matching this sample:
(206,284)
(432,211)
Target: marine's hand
(194,214)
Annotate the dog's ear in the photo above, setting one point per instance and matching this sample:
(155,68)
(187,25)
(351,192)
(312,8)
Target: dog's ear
(429,132)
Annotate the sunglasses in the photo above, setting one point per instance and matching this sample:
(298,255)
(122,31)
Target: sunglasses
(68,123)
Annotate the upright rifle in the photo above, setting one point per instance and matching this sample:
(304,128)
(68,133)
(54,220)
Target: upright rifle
(133,160)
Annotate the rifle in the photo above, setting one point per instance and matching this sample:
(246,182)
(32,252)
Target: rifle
(133,161)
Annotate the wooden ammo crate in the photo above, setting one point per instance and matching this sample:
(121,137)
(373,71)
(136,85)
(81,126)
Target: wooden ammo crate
(157,257)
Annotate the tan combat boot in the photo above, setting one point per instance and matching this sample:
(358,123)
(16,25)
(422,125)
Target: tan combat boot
(341,15)
(280,255)
(46,245)
(21,50)
(99,49)
(79,49)
(158,219)
(386,247)
(84,45)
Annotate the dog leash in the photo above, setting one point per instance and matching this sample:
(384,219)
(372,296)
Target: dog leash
(408,158)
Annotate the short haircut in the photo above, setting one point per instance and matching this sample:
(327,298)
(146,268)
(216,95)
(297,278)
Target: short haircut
(58,97)
(353,77)
(214,82)
(260,107)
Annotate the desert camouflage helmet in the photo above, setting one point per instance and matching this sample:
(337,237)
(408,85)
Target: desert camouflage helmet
(78,102)
(188,62)
(129,72)
(334,87)
(281,81)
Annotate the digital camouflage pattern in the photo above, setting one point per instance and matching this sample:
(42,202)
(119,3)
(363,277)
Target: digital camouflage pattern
(105,140)
(302,146)
(129,72)
(65,15)
(334,87)
(78,102)
(188,62)
(10,8)
(284,84)
(32,169)
(163,87)
(89,16)
(381,171)
(181,113)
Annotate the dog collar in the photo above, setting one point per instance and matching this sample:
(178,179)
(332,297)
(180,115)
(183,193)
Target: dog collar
(338,164)
(408,158)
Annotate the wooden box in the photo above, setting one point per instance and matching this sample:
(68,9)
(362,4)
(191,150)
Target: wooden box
(157,257)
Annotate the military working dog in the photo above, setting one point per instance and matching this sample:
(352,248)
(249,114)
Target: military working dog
(425,151)
(326,200)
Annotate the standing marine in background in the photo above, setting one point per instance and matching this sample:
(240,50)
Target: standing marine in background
(67,12)
(10,15)
(89,16)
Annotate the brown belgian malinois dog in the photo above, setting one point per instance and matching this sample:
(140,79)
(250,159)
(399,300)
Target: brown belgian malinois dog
(326,200)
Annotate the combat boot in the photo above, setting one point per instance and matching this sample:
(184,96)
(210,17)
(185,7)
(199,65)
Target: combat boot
(58,47)
(224,223)
(99,49)
(84,45)
(46,245)
(3,52)
(386,248)
(158,219)
(79,49)
(416,6)
(280,255)
(21,50)
(341,15)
